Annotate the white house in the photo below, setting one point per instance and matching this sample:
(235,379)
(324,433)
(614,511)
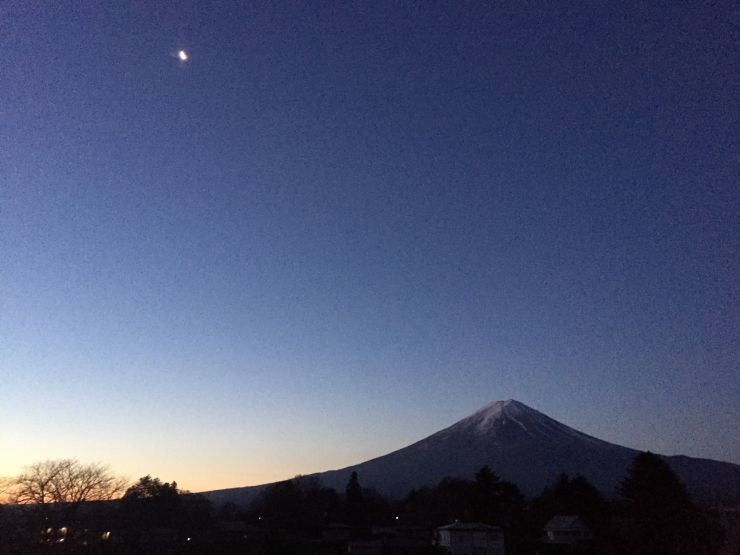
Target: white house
(567,530)
(471,538)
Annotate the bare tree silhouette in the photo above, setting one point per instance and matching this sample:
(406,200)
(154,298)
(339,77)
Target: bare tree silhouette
(65,481)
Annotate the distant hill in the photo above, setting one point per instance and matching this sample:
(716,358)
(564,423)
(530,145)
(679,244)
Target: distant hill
(523,446)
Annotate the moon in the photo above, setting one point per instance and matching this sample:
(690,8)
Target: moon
(182,55)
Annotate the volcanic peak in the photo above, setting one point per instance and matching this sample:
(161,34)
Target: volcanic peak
(494,414)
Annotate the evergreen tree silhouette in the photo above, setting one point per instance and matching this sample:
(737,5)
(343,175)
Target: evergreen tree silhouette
(355,501)
(661,517)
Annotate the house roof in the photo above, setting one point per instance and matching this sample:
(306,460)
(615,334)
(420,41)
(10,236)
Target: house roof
(565,522)
(470,526)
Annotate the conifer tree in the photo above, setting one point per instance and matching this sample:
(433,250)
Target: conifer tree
(355,500)
(663,518)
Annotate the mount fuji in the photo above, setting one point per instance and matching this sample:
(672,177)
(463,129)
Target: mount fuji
(523,446)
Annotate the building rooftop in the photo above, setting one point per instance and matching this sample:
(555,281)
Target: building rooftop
(565,522)
(470,526)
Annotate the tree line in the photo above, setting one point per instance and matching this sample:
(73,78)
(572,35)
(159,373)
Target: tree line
(54,506)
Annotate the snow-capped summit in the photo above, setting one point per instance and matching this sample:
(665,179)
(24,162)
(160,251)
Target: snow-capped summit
(488,417)
(512,422)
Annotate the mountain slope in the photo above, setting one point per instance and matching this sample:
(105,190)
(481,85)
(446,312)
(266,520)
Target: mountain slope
(523,446)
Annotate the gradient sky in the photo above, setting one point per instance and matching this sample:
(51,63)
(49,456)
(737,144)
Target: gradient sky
(340,227)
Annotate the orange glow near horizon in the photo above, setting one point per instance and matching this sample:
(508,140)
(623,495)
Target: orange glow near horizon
(202,477)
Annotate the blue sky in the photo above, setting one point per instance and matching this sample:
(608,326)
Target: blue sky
(340,227)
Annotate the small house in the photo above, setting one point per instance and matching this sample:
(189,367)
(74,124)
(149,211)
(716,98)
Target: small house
(471,538)
(567,530)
